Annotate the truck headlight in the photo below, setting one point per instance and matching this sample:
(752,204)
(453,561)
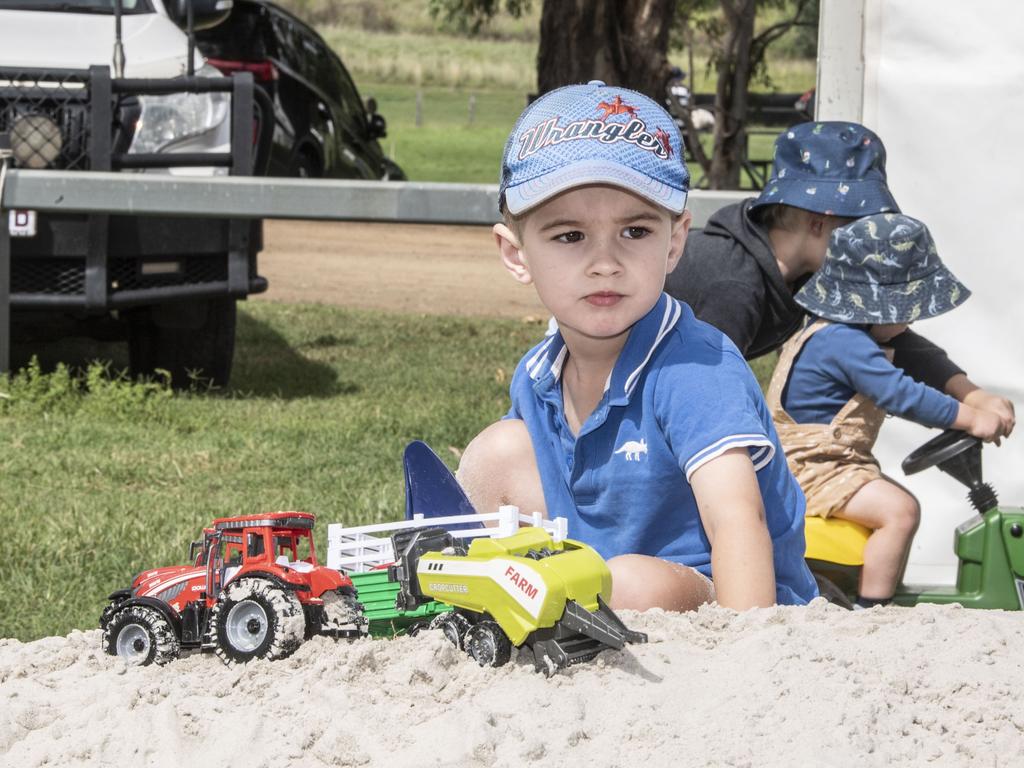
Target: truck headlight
(35,140)
(168,120)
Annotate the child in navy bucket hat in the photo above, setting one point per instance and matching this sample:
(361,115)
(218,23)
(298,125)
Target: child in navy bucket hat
(837,169)
(741,271)
(641,425)
(834,383)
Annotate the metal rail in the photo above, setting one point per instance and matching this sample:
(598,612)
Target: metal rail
(249,197)
(274,198)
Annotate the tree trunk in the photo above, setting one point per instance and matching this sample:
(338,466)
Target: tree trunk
(734,72)
(622,42)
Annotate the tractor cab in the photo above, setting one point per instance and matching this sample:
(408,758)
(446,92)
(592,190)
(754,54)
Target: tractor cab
(278,544)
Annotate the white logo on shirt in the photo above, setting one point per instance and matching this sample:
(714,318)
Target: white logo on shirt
(633,449)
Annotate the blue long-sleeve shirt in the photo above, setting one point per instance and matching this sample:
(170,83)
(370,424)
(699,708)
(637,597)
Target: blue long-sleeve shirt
(840,361)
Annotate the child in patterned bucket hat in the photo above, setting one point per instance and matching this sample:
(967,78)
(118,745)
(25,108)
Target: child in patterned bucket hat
(742,270)
(640,425)
(834,383)
(834,168)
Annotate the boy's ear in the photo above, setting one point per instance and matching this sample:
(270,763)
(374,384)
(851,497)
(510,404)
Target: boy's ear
(816,223)
(677,240)
(512,254)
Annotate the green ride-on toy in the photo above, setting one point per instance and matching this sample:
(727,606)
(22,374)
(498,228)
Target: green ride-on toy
(989,545)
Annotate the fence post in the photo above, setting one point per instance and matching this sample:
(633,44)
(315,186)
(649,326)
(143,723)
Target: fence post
(472,108)
(5,260)
(508,520)
(419,108)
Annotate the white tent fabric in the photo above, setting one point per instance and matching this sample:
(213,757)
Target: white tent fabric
(944,88)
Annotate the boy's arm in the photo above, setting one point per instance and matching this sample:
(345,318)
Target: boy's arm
(928,363)
(923,360)
(855,359)
(729,500)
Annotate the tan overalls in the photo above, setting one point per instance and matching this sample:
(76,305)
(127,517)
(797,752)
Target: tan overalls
(830,461)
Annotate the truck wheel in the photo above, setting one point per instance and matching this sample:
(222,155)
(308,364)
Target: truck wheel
(254,619)
(454,625)
(140,635)
(193,341)
(342,612)
(488,644)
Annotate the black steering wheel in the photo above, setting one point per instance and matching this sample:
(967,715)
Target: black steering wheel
(941,448)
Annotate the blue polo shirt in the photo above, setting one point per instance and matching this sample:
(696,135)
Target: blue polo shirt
(679,396)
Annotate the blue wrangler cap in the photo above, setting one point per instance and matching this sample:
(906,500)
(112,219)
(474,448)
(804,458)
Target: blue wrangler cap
(593,134)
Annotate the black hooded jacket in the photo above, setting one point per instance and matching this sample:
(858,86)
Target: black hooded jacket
(729,276)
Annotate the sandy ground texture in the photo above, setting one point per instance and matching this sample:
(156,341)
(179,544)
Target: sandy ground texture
(929,686)
(429,269)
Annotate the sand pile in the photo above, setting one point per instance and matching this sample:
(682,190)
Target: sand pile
(775,687)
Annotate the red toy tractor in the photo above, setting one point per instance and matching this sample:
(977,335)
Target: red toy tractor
(254,591)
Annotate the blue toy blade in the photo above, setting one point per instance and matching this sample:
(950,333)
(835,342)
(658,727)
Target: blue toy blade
(430,488)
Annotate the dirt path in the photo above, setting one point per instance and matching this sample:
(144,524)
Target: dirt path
(404,268)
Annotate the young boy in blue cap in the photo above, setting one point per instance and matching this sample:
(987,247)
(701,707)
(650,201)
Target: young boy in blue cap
(740,272)
(640,424)
(834,383)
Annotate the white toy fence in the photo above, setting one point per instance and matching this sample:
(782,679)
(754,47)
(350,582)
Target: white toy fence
(359,549)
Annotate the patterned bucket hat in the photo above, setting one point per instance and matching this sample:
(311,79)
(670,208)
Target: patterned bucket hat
(829,167)
(882,269)
(593,134)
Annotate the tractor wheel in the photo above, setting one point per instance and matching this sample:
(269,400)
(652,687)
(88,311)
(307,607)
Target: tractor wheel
(454,625)
(488,644)
(140,635)
(416,627)
(255,619)
(342,612)
(110,611)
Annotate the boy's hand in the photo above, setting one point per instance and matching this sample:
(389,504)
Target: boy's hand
(969,393)
(982,424)
(983,400)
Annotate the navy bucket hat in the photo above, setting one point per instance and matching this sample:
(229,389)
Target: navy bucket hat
(593,134)
(881,269)
(835,168)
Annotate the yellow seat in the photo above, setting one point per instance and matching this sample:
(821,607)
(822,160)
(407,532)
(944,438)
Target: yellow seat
(835,540)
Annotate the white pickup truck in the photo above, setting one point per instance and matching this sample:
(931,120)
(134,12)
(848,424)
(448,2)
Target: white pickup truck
(167,285)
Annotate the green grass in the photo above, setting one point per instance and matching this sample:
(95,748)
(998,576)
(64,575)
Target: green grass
(103,483)
(417,59)
(415,50)
(99,486)
(445,146)
(447,70)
